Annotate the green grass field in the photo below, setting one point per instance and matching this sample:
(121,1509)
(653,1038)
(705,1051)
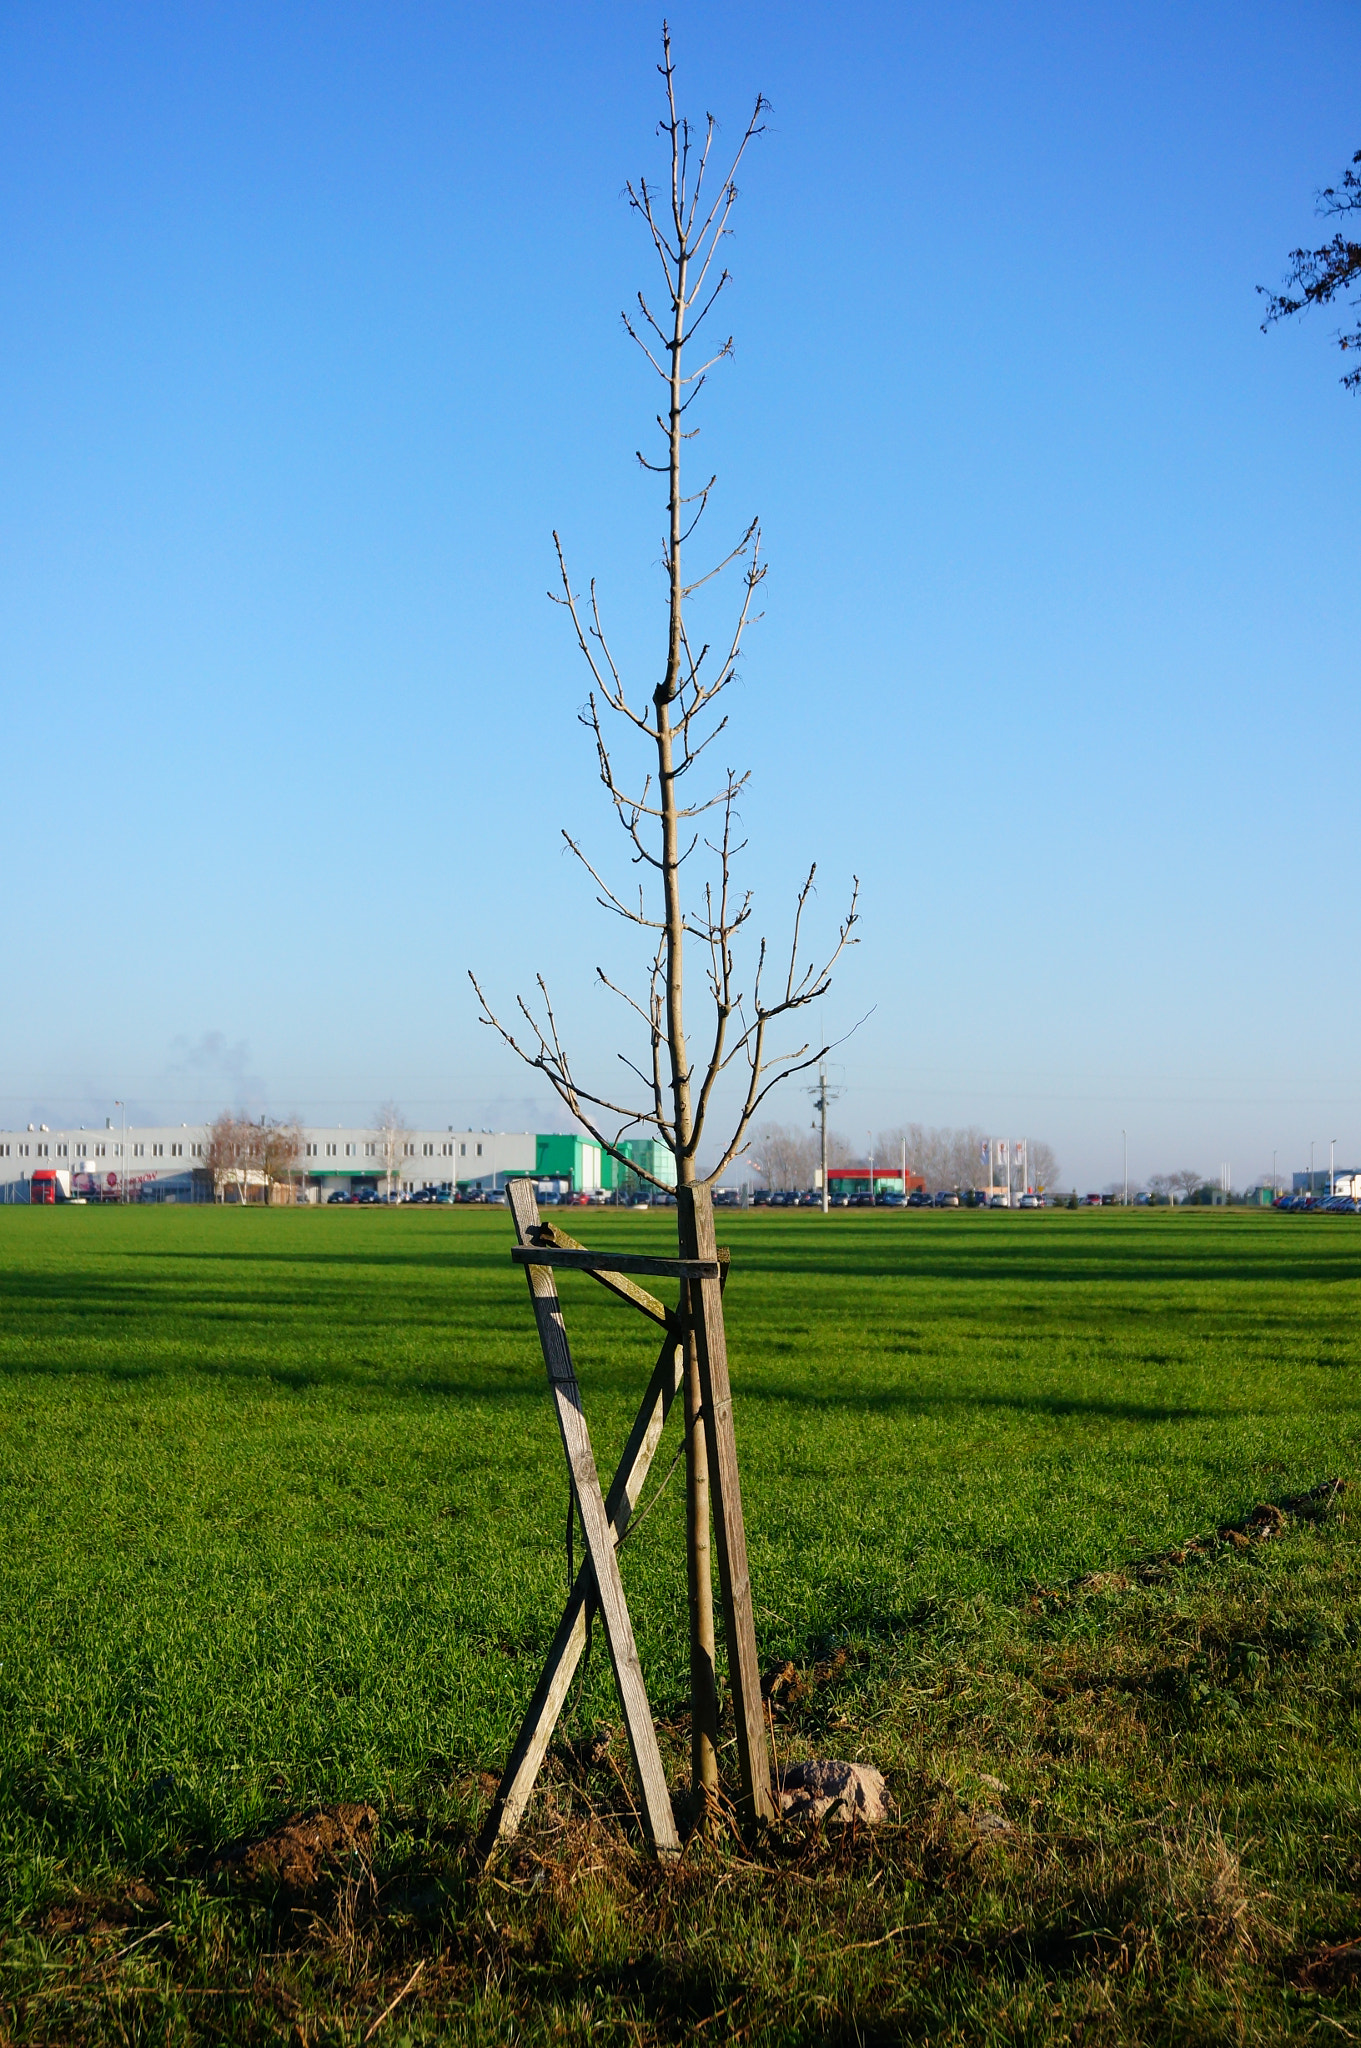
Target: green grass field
(283,1508)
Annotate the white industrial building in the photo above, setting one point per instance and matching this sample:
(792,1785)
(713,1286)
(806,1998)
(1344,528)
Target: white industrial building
(157,1164)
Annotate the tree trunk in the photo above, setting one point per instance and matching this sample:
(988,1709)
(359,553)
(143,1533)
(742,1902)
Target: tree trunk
(700,1588)
(698,1566)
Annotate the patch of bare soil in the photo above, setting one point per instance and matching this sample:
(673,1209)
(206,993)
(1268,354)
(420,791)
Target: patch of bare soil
(102,1913)
(1331,1968)
(310,1854)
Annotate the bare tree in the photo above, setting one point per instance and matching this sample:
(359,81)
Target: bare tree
(230,1153)
(1186,1182)
(1044,1167)
(392,1129)
(1318,276)
(243,1153)
(789,1158)
(944,1158)
(280,1148)
(687,218)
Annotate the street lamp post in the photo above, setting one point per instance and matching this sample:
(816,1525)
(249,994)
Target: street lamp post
(1124,1140)
(1332,1147)
(123,1154)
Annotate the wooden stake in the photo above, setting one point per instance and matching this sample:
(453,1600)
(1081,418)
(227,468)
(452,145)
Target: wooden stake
(569,1644)
(628,1675)
(700,1591)
(696,1220)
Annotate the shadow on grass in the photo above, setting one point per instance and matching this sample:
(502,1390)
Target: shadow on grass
(612,1380)
(909,1401)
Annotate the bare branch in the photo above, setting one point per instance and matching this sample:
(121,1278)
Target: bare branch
(687,225)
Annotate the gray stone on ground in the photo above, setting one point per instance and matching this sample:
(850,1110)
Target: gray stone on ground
(829,1790)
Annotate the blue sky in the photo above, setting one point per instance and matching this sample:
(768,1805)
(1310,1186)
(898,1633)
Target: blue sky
(311,339)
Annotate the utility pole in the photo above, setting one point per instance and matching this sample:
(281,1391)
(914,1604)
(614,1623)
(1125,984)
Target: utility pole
(123,1155)
(1332,1189)
(1273,1176)
(1124,1140)
(822,1095)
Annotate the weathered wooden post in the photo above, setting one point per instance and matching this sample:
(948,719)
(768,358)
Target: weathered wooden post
(541,1248)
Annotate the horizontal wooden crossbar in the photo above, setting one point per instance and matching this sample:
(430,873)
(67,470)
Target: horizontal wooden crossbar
(614,1262)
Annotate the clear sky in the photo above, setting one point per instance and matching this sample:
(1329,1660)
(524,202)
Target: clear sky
(311,339)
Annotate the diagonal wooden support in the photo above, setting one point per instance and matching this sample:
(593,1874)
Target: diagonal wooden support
(617,1283)
(696,1216)
(569,1644)
(607,1587)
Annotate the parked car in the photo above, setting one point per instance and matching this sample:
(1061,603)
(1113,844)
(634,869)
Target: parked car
(892,1201)
(340,1195)
(919,1199)
(946,1198)
(1031,1202)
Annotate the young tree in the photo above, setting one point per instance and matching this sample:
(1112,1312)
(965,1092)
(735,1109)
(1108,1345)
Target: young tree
(1318,276)
(686,218)
(392,1129)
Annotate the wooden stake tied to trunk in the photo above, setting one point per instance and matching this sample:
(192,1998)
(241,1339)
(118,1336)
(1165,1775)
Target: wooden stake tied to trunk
(604,1520)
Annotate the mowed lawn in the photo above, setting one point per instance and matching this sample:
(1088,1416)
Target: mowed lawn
(282,1503)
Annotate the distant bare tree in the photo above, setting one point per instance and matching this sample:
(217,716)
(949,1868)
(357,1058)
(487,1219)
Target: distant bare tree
(392,1129)
(786,1157)
(945,1158)
(782,1156)
(1160,1184)
(1186,1182)
(687,219)
(280,1148)
(1044,1167)
(244,1152)
(230,1153)
(1318,276)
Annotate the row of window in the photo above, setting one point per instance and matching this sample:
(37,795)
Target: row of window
(39,1150)
(373,1151)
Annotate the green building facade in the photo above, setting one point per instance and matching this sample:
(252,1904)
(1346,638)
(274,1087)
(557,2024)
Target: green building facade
(564,1155)
(648,1153)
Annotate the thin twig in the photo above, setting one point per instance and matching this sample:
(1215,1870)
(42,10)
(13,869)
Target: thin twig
(393,2005)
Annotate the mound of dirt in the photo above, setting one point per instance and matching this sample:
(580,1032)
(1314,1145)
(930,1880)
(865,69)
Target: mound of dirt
(308,1854)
